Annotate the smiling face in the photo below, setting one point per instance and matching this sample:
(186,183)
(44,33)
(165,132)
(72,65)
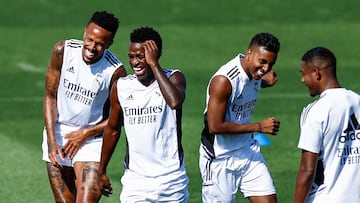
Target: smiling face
(309,76)
(138,63)
(96,41)
(258,61)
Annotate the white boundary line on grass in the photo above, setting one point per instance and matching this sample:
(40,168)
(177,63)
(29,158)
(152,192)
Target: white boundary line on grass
(30,68)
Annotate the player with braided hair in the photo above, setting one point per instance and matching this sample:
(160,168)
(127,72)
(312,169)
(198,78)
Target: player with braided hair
(78,82)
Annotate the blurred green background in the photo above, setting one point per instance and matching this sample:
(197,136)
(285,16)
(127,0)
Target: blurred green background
(199,36)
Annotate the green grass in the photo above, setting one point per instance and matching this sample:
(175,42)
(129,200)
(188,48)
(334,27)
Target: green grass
(199,36)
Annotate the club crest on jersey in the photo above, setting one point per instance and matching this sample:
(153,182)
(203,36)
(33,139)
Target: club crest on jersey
(99,78)
(158,93)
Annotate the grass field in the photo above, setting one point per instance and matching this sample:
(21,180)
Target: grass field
(199,36)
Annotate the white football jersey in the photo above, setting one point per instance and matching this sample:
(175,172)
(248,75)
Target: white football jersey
(83,89)
(240,107)
(152,128)
(330,127)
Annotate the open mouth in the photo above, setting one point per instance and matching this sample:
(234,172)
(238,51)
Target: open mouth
(260,73)
(89,54)
(138,70)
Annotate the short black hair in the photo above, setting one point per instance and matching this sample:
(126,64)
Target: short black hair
(106,20)
(267,40)
(320,53)
(142,34)
(322,58)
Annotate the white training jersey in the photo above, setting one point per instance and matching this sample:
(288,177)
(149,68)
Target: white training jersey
(83,89)
(330,127)
(240,107)
(152,128)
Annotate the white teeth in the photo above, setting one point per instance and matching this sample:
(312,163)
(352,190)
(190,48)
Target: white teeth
(260,72)
(89,53)
(137,69)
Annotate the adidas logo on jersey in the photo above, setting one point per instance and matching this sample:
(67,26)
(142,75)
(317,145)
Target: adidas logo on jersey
(130,97)
(350,131)
(70,69)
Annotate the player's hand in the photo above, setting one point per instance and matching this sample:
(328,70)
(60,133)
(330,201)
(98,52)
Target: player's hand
(269,79)
(75,140)
(54,150)
(105,185)
(151,53)
(270,126)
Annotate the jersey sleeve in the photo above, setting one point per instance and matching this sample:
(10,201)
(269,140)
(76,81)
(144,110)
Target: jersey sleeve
(310,132)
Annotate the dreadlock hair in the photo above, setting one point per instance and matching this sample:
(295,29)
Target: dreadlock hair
(105,20)
(143,34)
(267,40)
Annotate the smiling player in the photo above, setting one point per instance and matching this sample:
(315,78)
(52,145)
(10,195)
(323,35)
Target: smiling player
(230,159)
(78,82)
(149,105)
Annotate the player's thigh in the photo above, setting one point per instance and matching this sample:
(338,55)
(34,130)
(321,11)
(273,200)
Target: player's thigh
(62,182)
(87,177)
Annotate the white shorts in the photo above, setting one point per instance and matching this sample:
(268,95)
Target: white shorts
(172,187)
(243,170)
(317,194)
(89,152)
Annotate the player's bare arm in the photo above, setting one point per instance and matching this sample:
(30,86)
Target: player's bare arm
(50,110)
(119,72)
(173,89)
(111,137)
(305,176)
(220,91)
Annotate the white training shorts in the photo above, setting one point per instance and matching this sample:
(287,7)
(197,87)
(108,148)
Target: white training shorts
(89,152)
(171,187)
(317,194)
(243,170)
